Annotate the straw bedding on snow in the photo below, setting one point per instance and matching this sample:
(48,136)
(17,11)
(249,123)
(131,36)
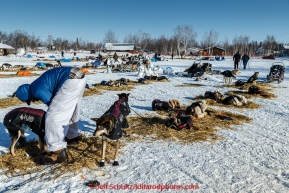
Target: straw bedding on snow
(189,85)
(91,91)
(265,94)
(267,90)
(211,102)
(204,129)
(87,153)
(114,88)
(130,85)
(15,75)
(148,128)
(8,102)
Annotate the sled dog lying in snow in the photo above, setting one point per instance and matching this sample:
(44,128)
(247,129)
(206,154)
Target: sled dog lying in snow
(237,100)
(179,120)
(253,79)
(158,105)
(217,96)
(197,109)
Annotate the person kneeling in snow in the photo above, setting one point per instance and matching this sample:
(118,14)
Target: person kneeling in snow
(61,89)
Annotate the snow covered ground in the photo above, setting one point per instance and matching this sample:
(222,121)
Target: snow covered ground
(251,158)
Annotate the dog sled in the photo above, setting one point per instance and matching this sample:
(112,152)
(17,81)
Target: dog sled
(199,68)
(277,71)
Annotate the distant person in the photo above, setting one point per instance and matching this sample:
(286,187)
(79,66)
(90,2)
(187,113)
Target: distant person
(236,59)
(245,59)
(156,56)
(100,57)
(62,53)
(172,56)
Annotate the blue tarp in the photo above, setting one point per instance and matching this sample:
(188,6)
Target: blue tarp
(40,64)
(96,63)
(65,60)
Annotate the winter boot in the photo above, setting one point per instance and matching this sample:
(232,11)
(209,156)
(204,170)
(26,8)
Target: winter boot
(72,141)
(53,157)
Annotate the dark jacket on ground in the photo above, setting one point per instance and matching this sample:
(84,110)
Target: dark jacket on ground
(33,118)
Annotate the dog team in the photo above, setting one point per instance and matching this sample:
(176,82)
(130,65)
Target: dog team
(61,89)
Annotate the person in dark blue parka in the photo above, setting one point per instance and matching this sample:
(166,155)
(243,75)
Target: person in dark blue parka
(61,89)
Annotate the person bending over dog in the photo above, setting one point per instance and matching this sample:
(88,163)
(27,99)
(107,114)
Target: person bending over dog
(61,89)
(158,105)
(33,118)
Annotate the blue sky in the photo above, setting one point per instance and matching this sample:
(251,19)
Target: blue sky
(91,19)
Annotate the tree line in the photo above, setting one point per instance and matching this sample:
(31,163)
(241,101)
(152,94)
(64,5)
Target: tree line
(184,36)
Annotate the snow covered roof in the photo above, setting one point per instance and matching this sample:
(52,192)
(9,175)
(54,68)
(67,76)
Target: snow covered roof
(215,47)
(119,46)
(5,46)
(193,50)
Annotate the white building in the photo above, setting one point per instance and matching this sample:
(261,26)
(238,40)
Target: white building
(118,47)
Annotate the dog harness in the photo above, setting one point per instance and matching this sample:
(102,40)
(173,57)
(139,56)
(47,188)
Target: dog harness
(33,118)
(119,110)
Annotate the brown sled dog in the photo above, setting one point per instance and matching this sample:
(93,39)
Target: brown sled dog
(158,105)
(110,125)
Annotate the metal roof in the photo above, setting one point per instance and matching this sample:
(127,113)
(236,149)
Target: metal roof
(119,46)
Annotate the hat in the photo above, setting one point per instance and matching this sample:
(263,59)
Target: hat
(22,93)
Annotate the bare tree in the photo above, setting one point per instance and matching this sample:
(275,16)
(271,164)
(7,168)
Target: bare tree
(270,44)
(184,34)
(225,44)
(140,39)
(110,37)
(209,40)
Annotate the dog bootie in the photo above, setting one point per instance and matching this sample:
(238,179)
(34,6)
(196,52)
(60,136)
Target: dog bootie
(54,157)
